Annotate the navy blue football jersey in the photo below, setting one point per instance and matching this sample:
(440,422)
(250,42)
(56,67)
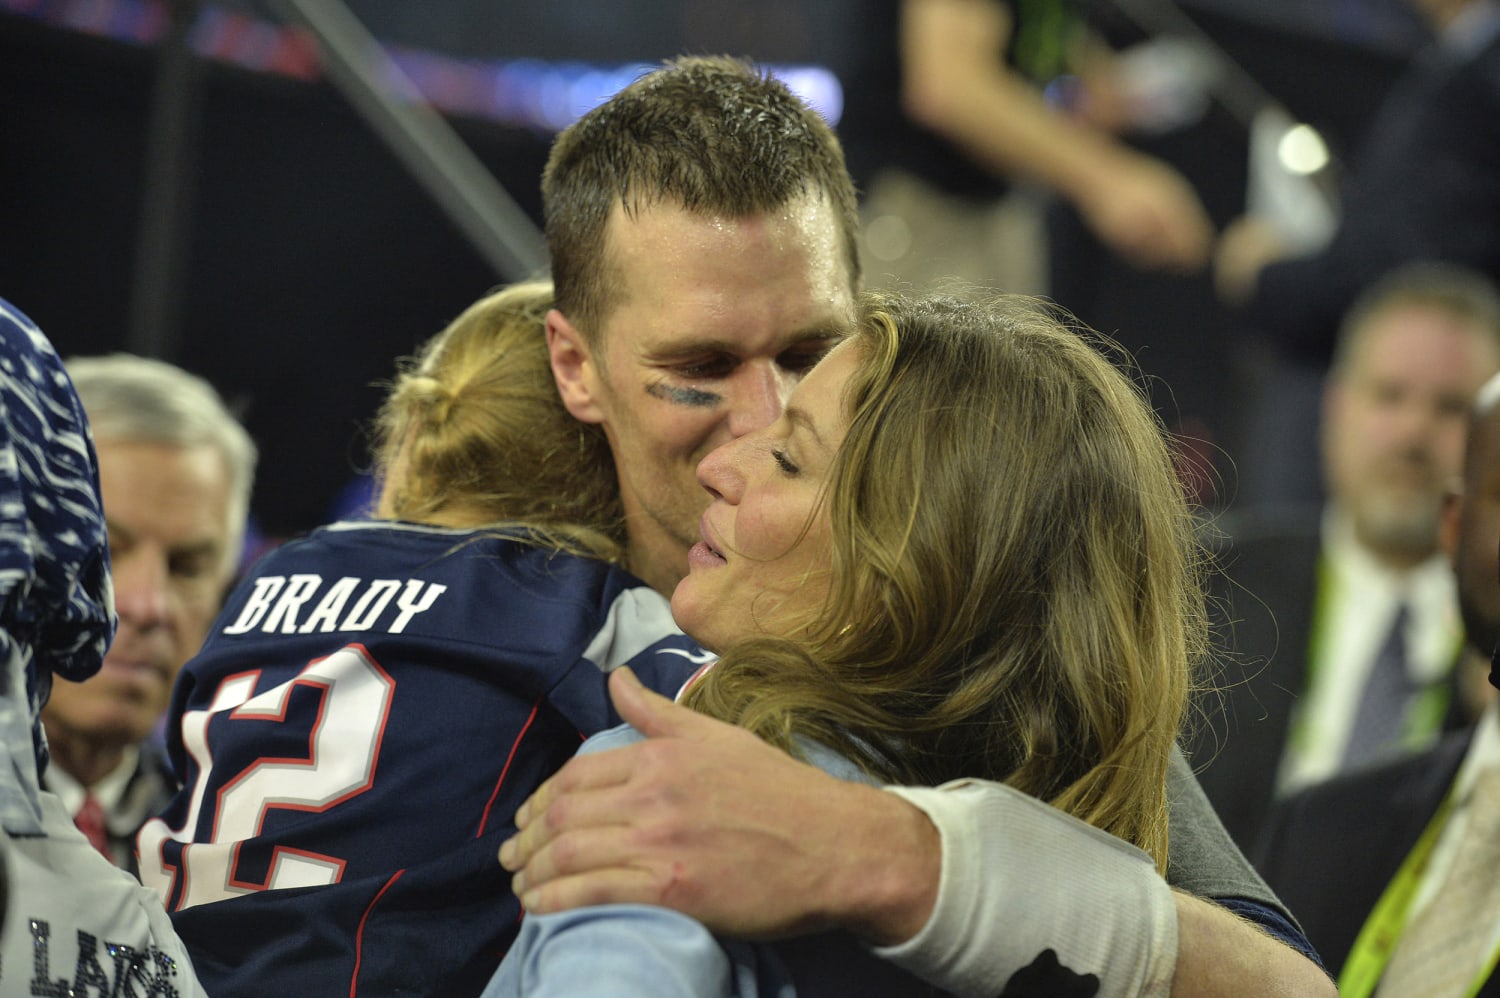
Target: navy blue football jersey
(369,710)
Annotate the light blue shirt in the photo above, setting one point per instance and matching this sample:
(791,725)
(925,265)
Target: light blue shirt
(640,951)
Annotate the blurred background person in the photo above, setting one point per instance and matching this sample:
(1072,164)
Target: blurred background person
(74,923)
(945,115)
(1341,623)
(1392,870)
(175,473)
(290,189)
(1424,185)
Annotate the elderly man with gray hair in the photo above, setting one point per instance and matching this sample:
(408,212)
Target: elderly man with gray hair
(175,473)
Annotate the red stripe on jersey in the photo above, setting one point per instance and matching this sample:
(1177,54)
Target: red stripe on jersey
(693,679)
(485,818)
(359,935)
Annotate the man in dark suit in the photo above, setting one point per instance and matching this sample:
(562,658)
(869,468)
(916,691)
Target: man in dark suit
(1349,856)
(1321,610)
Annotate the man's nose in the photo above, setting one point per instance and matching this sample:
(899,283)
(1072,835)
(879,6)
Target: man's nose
(141,593)
(760,394)
(1417,428)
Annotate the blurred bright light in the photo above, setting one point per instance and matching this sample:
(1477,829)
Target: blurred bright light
(572,89)
(531,93)
(1302,150)
(816,85)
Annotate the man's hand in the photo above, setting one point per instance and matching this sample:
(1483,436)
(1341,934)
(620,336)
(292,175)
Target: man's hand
(1246,247)
(709,820)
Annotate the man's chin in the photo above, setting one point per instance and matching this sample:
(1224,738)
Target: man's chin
(132,683)
(1405,527)
(105,725)
(111,705)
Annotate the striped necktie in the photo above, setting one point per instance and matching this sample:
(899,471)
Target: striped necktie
(1384,701)
(1444,949)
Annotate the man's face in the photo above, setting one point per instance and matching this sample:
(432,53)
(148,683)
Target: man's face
(762,565)
(168,510)
(1472,536)
(716,321)
(1394,423)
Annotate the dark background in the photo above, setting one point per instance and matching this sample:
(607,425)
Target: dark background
(311,259)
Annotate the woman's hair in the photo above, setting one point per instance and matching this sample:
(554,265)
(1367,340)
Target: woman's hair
(1016,584)
(473,431)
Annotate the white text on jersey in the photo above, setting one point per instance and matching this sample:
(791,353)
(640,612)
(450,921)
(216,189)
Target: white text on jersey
(350,604)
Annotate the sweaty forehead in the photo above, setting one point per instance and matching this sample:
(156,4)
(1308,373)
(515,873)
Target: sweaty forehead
(177,493)
(760,283)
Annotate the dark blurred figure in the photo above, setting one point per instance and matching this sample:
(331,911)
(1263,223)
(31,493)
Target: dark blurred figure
(1341,624)
(1392,870)
(1424,185)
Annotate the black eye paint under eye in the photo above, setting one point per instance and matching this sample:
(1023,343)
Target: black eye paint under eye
(690,397)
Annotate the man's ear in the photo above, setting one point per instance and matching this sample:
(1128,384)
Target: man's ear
(1453,505)
(574,369)
(1330,407)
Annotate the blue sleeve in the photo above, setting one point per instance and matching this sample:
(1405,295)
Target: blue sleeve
(620,951)
(619,736)
(630,950)
(635,629)
(1274,923)
(613,951)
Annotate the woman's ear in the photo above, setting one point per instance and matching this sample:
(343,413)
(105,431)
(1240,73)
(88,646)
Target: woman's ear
(574,369)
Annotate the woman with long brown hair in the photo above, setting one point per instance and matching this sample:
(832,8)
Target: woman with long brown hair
(961,552)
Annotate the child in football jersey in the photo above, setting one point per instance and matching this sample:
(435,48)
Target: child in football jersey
(376,698)
(961,552)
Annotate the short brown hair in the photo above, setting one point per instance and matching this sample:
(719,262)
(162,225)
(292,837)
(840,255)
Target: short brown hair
(712,134)
(1464,294)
